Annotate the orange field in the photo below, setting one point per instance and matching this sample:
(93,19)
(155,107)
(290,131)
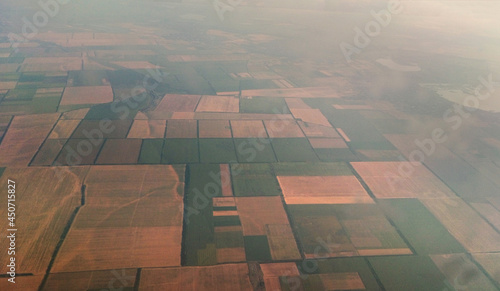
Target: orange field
(87,95)
(147,129)
(218,104)
(248,129)
(214,129)
(283,128)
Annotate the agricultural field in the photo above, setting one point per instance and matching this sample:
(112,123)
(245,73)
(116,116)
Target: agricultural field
(182,145)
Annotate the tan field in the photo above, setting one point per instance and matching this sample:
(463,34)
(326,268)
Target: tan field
(93,280)
(147,129)
(227,189)
(296,103)
(316,130)
(64,128)
(177,103)
(22,283)
(313,116)
(214,129)
(248,129)
(87,95)
(489,261)
(232,277)
(328,143)
(342,281)
(44,220)
(255,215)
(119,151)
(231,255)
(218,104)
(182,128)
(282,242)
(75,114)
(283,128)
(48,152)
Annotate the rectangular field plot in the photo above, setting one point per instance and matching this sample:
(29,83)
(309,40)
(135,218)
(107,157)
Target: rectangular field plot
(254,180)
(293,150)
(87,95)
(147,129)
(182,128)
(117,248)
(312,169)
(232,277)
(471,230)
(180,151)
(151,150)
(98,129)
(177,103)
(386,180)
(214,129)
(489,212)
(347,230)
(92,280)
(323,190)
(312,116)
(119,151)
(218,104)
(317,130)
(398,273)
(251,150)
(46,219)
(422,230)
(248,129)
(217,150)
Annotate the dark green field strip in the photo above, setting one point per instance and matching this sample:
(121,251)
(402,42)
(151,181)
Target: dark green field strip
(254,180)
(20,94)
(424,232)
(257,248)
(336,155)
(263,105)
(87,78)
(293,150)
(13,60)
(151,151)
(2,169)
(254,150)
(307,283)
(95,129)
(180,151)
(408,273)
(217,150)
(358,265)
(312,169)
(198,234)
(45,104)
(226,220)
(224,208)
(229,239)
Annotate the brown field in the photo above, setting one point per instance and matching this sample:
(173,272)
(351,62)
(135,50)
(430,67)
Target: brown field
(282,242)
(87,95)
(214,129)
(48,152)
(257,212)
(117,248)
(64,128)
(75,114)
(45,206)
(23,138)
(248,128)
(283,128)
(313,116)
(147,129)
(328,143)
(489,212)
(283,83)
(227,189)
(384,252)
(44,64)
(314,189)
(489,262)
(182,128)
(342,281)
(225,213)
(93,280)
(8,85)
(495,201)
(231,255)
(223,201)
(296,103)
(385,181)
(207,58)
(228,228)
(232,277)
(315,130)
(218,104)
(23,283)
(380,155)
(177,103)
(473,232)
(116,129)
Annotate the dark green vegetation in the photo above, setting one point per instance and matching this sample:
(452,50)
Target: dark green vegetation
(151,151)
(423,231)
(180,151)
(217,150)
(257,248)
(293,150)
(254,180)
(263,105)
(254,150)
(312,169)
